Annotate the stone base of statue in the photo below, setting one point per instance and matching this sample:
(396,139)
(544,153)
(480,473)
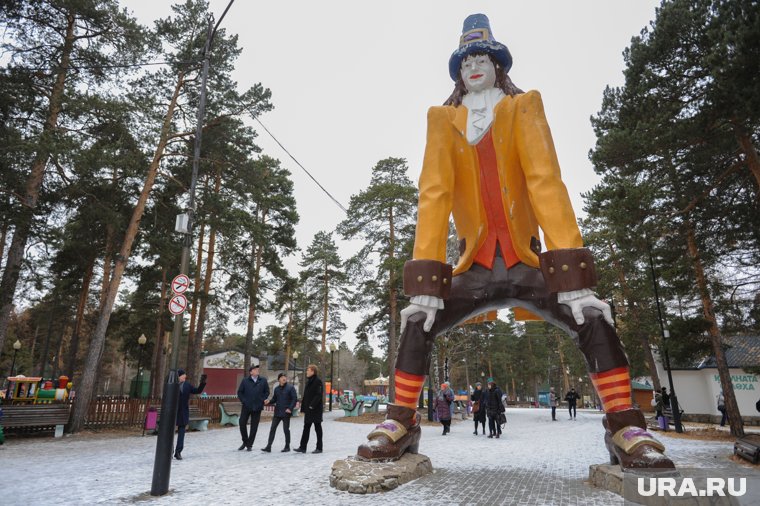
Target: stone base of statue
(367,477)
(633,490)
(606,477)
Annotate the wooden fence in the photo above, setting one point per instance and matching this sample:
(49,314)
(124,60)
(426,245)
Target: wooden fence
(124,411)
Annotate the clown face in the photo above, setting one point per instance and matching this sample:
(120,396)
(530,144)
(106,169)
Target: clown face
(478,73)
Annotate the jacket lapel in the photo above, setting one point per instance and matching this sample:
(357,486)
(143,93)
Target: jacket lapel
(460,120)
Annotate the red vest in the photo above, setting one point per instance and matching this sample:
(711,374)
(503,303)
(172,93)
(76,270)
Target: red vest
(490,191)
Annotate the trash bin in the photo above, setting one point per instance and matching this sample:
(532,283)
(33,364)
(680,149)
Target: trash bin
(151,417)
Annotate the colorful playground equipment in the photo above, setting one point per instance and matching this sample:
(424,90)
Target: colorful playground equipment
(27,390)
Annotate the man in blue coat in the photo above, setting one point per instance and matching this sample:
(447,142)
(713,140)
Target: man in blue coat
(284,400)
(252,392)
(183,409)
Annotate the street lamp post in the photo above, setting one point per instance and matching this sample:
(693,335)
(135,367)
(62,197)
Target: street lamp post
(141,341)
(16,347)
(332,353)
(665,335)
(295,363)
(162,463)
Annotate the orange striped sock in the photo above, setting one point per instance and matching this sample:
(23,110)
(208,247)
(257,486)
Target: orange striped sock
(408,388)
(614,389)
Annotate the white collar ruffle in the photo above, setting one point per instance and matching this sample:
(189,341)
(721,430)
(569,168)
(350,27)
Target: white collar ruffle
(480,107)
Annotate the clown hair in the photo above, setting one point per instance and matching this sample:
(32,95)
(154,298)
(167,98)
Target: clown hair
(503,82)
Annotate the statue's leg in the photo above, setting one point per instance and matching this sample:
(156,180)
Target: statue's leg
(626,437)
(401,432)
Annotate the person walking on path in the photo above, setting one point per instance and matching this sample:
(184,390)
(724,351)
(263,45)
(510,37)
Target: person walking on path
(572,401)
(494,408)
(252,392)
(312,407)
(183,409)
(553,403)
(722,408)
(478,407)
(443,402)
(284,399)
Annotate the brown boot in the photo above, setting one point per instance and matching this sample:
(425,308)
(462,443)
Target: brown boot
(399,433)
(629,443)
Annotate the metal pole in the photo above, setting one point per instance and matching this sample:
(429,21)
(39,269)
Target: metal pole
(13,364)
(673,398)
(331,378)
(139,365)
(165,441)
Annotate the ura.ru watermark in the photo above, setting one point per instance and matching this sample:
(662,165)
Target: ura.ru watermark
(689,487)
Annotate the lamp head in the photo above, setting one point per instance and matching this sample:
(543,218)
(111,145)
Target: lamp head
(142,340)
(17,345)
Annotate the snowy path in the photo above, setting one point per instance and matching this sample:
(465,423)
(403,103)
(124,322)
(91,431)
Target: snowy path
(536,462)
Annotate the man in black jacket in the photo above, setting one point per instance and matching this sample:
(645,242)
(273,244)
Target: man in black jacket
(284,399)
(252,392)
(183,409)
(572,400)
(311,407)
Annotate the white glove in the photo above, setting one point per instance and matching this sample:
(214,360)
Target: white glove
(427,304)
(576,300)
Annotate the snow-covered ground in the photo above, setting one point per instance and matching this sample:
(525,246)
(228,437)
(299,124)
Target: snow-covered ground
(117,470)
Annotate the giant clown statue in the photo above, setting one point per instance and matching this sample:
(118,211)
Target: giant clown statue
(490,164)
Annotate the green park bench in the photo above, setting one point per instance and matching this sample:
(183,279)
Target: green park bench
(36,417)
(230,413)
(196,421)
(352,409)
(371,404)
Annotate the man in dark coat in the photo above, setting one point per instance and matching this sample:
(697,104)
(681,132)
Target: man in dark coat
(572,400)
(284,399)
(312,407)
(494,407)
(183,409)
(252,392)
(477,399)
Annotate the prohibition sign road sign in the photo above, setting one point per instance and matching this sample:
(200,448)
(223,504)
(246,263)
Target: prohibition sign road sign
(180,283)
(177,304)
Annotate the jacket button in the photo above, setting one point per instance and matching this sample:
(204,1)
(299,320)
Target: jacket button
(419,279)
(435,278)
(583,265)
(565,268)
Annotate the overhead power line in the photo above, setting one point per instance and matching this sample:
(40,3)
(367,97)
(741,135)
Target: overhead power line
(302,167)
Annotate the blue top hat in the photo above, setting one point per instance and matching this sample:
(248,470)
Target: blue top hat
(477,38)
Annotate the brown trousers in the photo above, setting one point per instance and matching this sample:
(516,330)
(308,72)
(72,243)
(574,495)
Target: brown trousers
(479,290)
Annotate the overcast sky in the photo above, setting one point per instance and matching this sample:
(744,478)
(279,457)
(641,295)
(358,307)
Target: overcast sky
(352,81)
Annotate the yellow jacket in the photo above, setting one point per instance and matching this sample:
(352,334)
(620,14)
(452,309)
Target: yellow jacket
(533,193)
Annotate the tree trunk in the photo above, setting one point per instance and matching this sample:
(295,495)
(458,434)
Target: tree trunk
(325,304)
(28,205)
(156,373)
(3,235)
(87,386)
(732,408)
(107,265)
(253,298)
(71,361)
(565,377)
(749,150)
(197,281)
(393,299)
(288,342)
(194,347)
(46,347)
